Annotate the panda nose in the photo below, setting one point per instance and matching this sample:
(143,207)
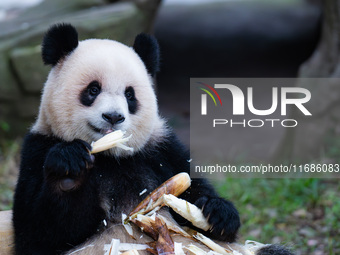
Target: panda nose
(113,117)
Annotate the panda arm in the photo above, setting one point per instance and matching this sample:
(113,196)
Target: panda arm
(46,217)
(221,213)
(178,158)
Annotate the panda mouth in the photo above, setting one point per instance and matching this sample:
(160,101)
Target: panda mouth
(103,131)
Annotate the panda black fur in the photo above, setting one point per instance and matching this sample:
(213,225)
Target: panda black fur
(63,193)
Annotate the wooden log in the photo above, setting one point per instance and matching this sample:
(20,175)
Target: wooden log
(6,233)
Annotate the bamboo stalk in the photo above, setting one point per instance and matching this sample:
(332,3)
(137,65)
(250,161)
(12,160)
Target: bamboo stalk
(175,186)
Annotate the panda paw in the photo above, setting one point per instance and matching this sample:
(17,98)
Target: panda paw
(222,216)
(68,160)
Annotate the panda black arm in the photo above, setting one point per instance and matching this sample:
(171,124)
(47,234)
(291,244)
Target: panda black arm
(45,216)
(221,213)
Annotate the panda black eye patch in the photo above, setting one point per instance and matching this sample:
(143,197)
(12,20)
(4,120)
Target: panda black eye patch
(90,93)
(131,100)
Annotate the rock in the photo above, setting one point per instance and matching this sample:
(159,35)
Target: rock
(30,76)
(48,9)
(28,107)
(8,88)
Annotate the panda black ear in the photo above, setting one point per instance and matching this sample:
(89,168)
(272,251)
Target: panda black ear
(60,40)
(146,46)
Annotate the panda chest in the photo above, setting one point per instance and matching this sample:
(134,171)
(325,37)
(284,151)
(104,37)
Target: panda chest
(122,187)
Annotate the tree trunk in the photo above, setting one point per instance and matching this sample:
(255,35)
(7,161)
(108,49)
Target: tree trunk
(315,136)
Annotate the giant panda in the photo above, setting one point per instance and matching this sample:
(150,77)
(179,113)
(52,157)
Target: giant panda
(64,195)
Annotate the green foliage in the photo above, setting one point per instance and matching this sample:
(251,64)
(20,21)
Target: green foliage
(9,151)
(332,146)
(291,211)
(4,126)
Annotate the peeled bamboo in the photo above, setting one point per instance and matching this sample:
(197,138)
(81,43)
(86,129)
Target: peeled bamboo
(113,139)
(188,211)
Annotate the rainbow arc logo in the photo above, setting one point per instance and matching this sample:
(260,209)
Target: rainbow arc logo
(204,97)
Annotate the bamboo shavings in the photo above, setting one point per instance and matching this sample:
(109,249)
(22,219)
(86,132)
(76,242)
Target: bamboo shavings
(146,225)
(164,244)
(235,252)
(193,249)
(142,192)
(173,226)
(113,139)
(178,249)
(253,246)
(157,226)
(113,248)
(148,222)
(131,252)
(116,247)
(211,244)
(216,253)
(132,246)
(127,226)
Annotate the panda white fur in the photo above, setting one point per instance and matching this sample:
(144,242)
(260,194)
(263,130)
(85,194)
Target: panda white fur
(63,193)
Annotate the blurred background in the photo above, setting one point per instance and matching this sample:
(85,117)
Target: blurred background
(201,38)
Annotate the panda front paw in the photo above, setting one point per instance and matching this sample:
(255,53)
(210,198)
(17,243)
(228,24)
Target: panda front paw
(222,216)
(68,162)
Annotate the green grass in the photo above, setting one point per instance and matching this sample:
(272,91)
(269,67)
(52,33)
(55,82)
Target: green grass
(296,212)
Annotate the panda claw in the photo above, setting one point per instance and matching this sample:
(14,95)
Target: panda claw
(92,158)
(222,216)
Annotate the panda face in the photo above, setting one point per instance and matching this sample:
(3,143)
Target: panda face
(100,87)
(115,94)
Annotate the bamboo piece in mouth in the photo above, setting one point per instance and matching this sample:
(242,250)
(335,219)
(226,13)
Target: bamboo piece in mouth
(113,139)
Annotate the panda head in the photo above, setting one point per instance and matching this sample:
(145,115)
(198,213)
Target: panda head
(98,86)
